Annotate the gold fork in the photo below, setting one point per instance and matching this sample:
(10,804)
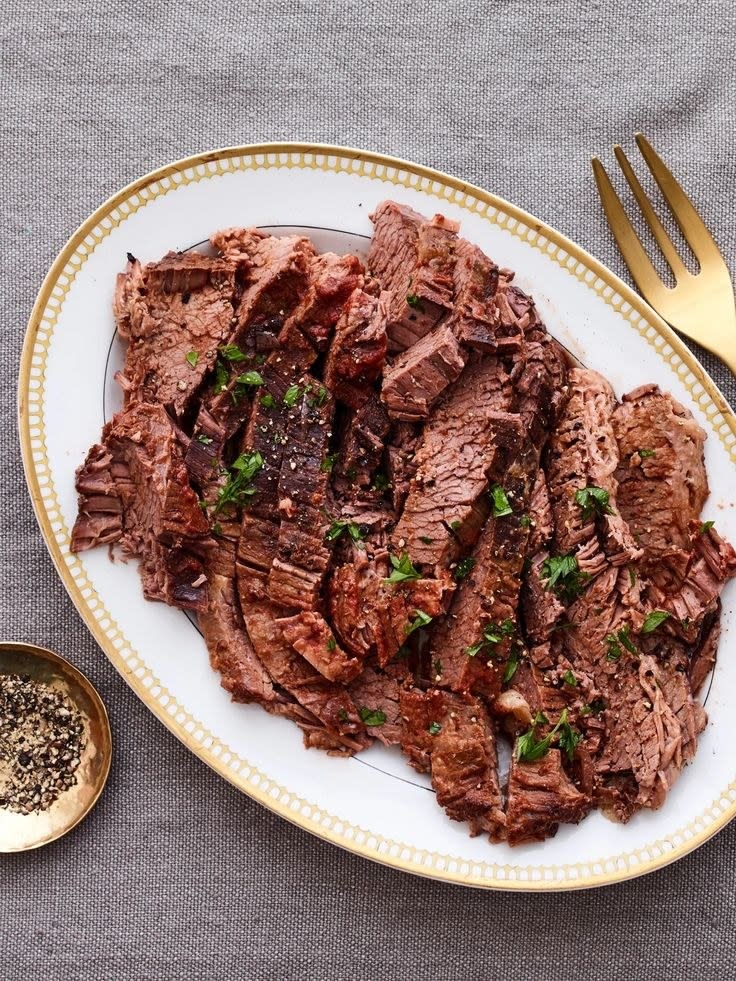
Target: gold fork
(700,305)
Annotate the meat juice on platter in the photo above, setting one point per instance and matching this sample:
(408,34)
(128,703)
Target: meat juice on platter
(400,513)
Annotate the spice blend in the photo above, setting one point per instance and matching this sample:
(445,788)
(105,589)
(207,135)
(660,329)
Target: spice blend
(42,737)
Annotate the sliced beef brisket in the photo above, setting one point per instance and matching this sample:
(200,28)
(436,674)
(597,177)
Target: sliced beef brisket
(416,379)
(541,797)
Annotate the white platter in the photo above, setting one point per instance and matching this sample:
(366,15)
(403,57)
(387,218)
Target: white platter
(373,805)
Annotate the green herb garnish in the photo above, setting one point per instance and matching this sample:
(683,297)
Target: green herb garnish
(645,453)
(291,395)
(338,527)
(231,352)
(593,501)
(463,569)
(192,358)
(654,620)
(564,577)
(501,506)
(570,679)
(493,634)
(372,717)
(632,575)
(402,569)
(381,483)
(706,526)
(238,487)
(221,377)
(249,378)
(328,463)
(528,748)
(421,619)
(525,521)
(267,401)
(511,665)
(203,439)
(434,729)
(331,644)
(413,300)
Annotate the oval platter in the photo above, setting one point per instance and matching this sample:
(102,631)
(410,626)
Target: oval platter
(374,804)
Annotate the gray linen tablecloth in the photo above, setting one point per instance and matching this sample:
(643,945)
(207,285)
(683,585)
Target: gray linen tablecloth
(176,874)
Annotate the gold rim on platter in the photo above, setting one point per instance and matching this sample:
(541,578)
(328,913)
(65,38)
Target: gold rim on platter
(570,257)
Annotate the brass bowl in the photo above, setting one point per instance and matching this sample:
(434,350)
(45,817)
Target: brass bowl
(20,832)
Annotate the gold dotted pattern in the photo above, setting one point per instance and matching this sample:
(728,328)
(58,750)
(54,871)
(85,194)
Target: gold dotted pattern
(182,723)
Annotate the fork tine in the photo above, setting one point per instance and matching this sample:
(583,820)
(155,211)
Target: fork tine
(663,240)
(691,224)
(642,271)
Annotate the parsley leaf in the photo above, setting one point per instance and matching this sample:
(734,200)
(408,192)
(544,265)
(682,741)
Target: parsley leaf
(511,665)
(528,748)
(338,527)
(342,715)
(493,634)
(615,642)
(706,526)
(564,577)
(328,463)
(593,500)
(422,619)
(632,575)
(291,395)
(402,570)
(221,377)
(372,717)
(570,679)
(249,378)
(267,401)
(413,300)
(331,644)
(501,506)
(203,439)
(568,739)
(426,540)
(654,620)
(645,453)
(463,569)
(192,358)
(434,729)
(525,521)
(238,487)
(381,483)
(231,352)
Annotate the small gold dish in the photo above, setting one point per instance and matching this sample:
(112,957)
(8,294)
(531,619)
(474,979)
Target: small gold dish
(20,832)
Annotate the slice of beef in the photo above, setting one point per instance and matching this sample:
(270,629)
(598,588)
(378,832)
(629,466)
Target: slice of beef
(174,314)
(328,702)
(100,512)
(413,259)
(401,463)
(358,350)
(360,446)
(376,693)
(230,649)
(302,555)
(334,280)
(460,442)
(541,797)
(583,452)
(661,477)
(711,563)
(163,524)
(542,610)
(705,649)
(475,319)
(452,737)
(416,378)
(540,515)
(310,635)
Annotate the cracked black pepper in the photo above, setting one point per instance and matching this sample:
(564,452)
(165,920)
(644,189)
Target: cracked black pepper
(42,737)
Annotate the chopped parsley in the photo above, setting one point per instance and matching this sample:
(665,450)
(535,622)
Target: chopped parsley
(646,453)
(501,506)
(655,619)
(320,397)
(525,521)
(455,525)
(529,748)
(493,634)
(426,540)
(237,488)
(381,483)
(221,377)
(203,439)
(372,717)
(511,665)
(706,526)
(593,501)
(463,569)
(342,715)
(249,378)
(402,569)
(632,575)
(437,665)
(331,644)
(564,577)
(328,463)
(422,619)
(231,352)
(292,395)
(338,527)
(570,679)
(434,729)
(414,302)
(618,640)
(192,358)
(267,401)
